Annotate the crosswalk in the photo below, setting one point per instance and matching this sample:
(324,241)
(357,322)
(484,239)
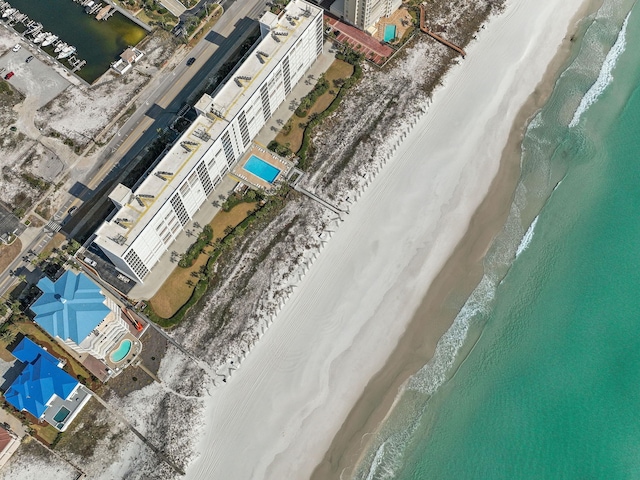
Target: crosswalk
(53,226)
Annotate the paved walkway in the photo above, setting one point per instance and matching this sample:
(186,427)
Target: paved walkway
(14,424)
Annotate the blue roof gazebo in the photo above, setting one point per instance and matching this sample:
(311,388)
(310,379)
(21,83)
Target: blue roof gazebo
(40,379)
(71,307)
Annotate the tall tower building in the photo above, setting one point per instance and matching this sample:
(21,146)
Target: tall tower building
(365,13)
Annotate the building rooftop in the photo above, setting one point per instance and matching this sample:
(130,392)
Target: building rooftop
(71,307)
(40,379)
(155,190)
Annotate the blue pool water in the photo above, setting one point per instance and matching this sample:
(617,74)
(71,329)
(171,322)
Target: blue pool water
(62,414)
(122,351)
(262,169)
(389,33)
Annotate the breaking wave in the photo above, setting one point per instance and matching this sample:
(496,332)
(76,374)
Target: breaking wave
(604,77)
(526,239)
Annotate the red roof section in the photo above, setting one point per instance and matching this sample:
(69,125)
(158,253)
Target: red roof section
(346,34)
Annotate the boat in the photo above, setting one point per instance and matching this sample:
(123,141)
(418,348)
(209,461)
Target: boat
(49,40)
(60,46)
(40,37)
(66,53)
(8,11)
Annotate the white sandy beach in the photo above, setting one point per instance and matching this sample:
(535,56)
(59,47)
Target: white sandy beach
(277,415)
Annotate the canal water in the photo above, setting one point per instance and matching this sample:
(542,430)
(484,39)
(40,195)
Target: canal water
(98,42)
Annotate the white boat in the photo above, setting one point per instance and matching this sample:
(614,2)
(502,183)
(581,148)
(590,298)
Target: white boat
(40,37)
(59,47)
(7,12)
(66,52)
(49,40)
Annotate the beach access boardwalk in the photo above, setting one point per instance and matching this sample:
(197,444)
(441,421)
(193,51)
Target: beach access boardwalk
(438,37)
(160,454)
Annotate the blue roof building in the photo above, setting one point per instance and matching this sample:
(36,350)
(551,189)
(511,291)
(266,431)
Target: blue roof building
(71,307)
(75,312)
(40,382)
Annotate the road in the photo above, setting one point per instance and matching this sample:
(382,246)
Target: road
(157,106)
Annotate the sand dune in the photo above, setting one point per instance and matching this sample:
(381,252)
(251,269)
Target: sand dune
(279,412)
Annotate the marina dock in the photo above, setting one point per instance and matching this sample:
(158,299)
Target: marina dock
(99,9)
(34,32)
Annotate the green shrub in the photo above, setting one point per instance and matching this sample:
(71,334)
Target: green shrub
(196,248)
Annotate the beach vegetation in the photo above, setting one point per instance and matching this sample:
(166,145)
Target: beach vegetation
(310,98)
(221,250)
(178,287)
(296,136)
(193,252)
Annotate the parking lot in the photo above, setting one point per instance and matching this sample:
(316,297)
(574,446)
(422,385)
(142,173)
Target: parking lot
(34,79)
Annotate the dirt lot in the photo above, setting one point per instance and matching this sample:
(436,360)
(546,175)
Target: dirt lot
(48,118)
(8,253)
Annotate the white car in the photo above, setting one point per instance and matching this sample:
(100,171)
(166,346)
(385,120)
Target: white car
(91,262)
(16,48)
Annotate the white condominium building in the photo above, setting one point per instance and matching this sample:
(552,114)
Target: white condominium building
(365,13)
(148,219)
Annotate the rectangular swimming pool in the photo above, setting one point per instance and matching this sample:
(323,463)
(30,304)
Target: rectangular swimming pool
(62,414)
(389,32)
(262,169)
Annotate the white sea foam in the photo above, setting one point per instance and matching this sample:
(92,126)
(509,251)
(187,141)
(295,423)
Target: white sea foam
(377,460)
(434,373)
(604,77)
(526,239)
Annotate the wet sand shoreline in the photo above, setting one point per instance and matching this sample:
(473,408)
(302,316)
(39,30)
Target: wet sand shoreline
(453,285)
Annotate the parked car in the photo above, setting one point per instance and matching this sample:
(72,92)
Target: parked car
(9,75)
(29,58)
(89,261)
(191,61)
(16,48)
(72,210)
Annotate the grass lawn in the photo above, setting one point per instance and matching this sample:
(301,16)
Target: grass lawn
(57,240)
(177,289)
(150,17)
(45,432)
(4,353)
(339,69)
(8,253)
(29,328)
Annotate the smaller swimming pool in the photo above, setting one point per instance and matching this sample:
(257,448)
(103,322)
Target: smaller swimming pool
(122,351)
(262,169)
(62,414)
(389,32)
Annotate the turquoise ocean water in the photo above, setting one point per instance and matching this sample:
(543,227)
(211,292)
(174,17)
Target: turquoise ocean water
(539,377)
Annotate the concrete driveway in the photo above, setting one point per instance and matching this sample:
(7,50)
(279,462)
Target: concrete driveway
(174,6)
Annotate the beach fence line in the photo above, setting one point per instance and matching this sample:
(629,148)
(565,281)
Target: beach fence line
(259,329)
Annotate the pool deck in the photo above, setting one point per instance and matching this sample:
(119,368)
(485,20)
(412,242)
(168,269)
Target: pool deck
(74,404)
(104,370)
(136,348)
(396,18)
(253,181)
